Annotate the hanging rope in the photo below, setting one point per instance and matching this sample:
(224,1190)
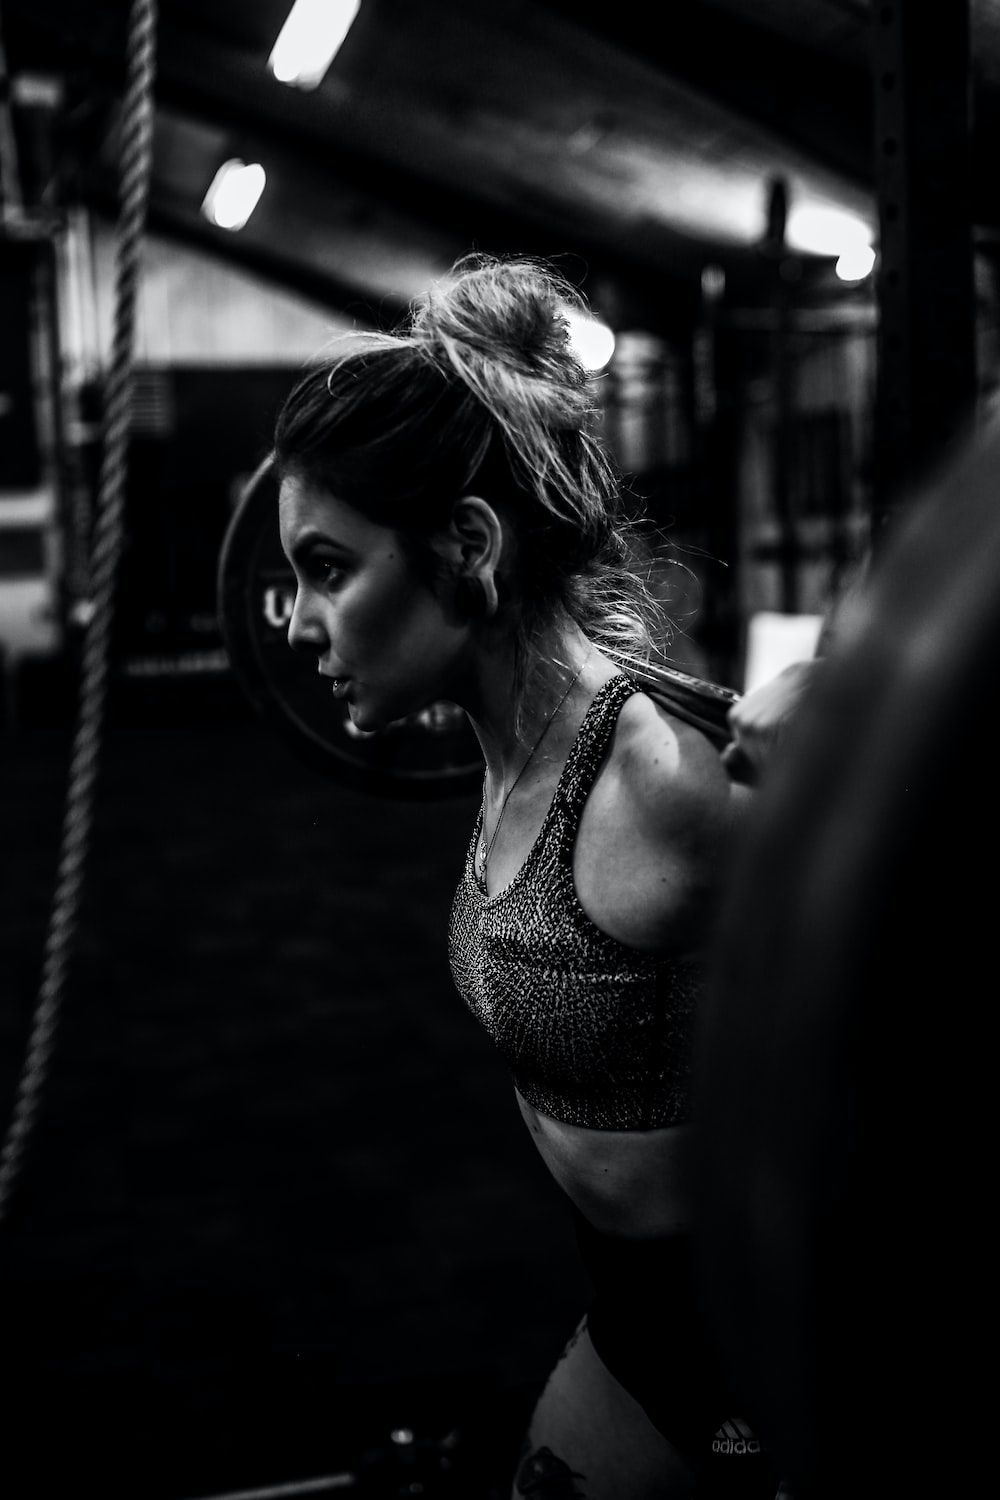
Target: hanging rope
(134,172)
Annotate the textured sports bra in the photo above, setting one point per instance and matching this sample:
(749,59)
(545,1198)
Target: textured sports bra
(595,1033)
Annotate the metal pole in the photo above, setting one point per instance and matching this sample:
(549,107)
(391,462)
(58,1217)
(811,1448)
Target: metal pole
(926,381)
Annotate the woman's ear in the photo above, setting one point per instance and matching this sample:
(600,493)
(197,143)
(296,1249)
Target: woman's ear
(476,545)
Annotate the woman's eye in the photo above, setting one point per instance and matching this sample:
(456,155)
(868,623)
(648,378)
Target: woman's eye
(326,571)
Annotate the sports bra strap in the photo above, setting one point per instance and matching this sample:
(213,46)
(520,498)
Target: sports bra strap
(589,749)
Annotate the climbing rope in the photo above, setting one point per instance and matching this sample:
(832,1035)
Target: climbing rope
(134,171)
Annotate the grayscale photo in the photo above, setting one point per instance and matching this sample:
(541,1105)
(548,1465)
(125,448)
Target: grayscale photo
(499,643)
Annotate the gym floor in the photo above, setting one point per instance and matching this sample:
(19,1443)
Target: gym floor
(279,1204)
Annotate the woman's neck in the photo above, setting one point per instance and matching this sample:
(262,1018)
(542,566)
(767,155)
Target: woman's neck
(566,672)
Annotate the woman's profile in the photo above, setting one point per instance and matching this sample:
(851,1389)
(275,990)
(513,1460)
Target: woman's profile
(457,532)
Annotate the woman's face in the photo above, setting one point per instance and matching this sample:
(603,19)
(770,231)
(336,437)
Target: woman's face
(373,623)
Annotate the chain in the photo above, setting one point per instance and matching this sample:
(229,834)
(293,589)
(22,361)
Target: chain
(483,851)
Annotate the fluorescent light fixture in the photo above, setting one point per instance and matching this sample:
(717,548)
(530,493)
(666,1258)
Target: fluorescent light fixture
(592,341)
(817,229)
(310,39)
(234,194)
(856,263)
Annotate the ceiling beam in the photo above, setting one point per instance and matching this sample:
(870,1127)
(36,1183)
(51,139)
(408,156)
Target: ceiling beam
(820,105)
(198,76)
(284,271)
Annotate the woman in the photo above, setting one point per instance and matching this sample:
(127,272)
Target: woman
(454,525)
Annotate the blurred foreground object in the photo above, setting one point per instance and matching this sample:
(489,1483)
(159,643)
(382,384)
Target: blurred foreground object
(843,1087)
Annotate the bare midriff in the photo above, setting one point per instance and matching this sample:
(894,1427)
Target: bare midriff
(625,1182)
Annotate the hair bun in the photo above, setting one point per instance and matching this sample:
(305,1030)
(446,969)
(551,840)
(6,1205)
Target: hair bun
(500,327)
(512,312)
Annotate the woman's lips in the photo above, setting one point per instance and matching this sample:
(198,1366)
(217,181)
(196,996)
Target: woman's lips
(339,686)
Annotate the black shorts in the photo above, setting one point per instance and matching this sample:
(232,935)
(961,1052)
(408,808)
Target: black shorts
(646,1327)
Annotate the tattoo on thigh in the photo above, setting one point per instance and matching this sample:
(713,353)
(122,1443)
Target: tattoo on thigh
(543,1476)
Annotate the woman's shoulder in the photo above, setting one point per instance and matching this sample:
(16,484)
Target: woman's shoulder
(667,774)
(655,832)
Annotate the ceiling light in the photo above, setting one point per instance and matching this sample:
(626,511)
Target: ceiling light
(310,39)
(592,341)
(234,194)
(817,229)
(856,263)
(713,283)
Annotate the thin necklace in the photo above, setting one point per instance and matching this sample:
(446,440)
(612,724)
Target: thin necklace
(483,852)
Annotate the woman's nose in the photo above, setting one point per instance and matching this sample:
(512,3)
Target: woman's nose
(305,633)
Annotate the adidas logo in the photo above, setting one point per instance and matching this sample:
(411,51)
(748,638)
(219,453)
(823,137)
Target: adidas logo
(735,1437)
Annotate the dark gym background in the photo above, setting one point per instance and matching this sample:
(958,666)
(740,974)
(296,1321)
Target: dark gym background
(279,1205)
